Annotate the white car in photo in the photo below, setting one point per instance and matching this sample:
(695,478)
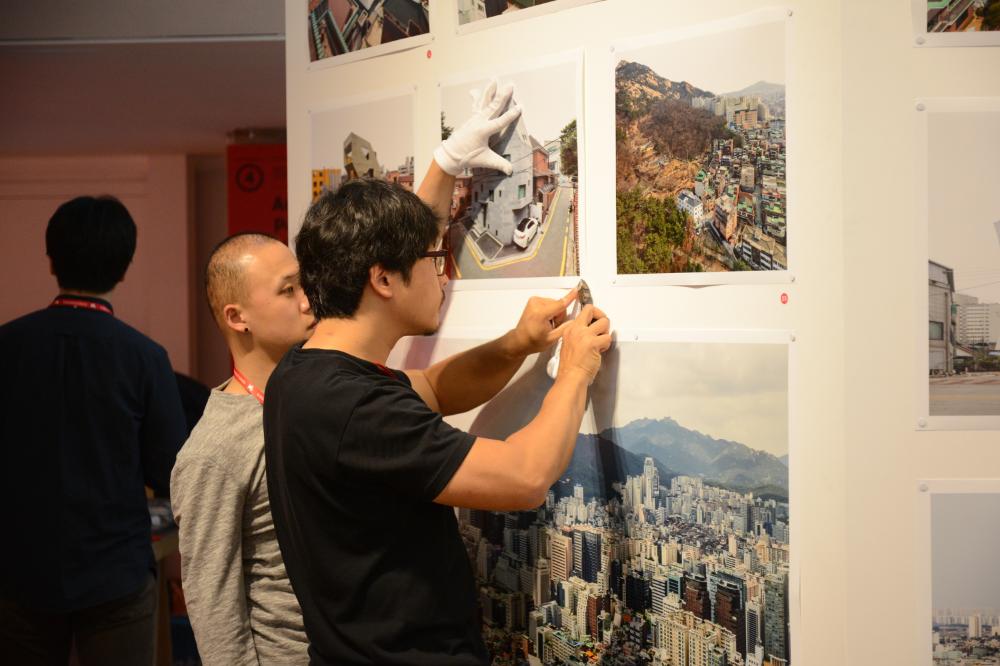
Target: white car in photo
(525,231)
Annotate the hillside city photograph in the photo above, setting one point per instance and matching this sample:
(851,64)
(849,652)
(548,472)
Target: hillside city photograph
(965,628)
(963,15)
(363,141)
(963,268)
(525,224)
(701,155)
(337,27)
(666,542)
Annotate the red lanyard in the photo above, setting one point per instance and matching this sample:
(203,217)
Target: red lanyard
(386,371)
(250,388)
(64,302)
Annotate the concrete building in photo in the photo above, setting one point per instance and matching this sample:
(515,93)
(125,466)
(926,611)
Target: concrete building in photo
(500,202)
(941,330)
(691,204)
(324,180)
(976,323)
(360,159)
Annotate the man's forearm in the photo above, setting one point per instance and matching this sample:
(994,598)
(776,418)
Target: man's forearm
(548,442)
(436,191)
(470,378)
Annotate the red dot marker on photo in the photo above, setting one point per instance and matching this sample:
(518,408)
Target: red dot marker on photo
(428,54)
(784,299)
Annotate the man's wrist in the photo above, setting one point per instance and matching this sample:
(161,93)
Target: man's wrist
(573,376)
(446,162)
(514,344)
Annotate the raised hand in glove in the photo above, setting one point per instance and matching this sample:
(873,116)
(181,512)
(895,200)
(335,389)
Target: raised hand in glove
(469,146)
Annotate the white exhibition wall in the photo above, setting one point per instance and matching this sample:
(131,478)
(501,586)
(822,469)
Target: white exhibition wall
(846,304)
(886,75)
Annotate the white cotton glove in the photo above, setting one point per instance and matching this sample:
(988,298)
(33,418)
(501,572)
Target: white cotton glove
(469,146)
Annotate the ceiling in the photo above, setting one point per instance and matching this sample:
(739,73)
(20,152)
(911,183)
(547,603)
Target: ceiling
(129,91)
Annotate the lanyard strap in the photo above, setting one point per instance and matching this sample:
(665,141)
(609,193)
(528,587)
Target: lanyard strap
(64,302)
(250,388)
(386,371)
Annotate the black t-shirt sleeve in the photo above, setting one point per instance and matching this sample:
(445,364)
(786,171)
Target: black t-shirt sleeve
(395,440)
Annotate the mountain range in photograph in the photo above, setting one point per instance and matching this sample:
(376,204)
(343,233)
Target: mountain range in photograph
(600,460)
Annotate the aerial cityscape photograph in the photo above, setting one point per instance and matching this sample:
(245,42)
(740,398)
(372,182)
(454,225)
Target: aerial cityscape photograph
(701,154)
(667,541)
(965,628)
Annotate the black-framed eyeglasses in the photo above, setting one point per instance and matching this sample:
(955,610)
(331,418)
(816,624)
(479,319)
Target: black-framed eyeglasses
(440,260)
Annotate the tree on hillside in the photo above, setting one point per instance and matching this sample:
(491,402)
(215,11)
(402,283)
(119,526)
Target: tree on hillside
(567,149)
(445,130)
(991,15)
(650,234)
(683,132)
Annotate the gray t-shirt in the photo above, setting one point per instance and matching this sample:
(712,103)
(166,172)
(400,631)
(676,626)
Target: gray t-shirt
(238,595)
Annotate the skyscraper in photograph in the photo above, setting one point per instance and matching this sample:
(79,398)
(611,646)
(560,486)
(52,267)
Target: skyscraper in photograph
(776,616)
(541,592)
(975,626)
(696,598)
(562,557)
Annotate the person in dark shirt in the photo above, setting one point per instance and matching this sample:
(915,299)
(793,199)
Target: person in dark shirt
(363,472)
(89,415)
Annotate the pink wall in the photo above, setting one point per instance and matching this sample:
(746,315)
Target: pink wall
(212,364)
(157,294)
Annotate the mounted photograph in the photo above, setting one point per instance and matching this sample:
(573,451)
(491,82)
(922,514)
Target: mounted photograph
(965,589)
(956,22)
(370,139)
(669,533)
(526,224)
(365,28)
(474,13)
(963,15)
(963,260)
(700,135)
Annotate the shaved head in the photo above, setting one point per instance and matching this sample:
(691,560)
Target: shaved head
(225,281)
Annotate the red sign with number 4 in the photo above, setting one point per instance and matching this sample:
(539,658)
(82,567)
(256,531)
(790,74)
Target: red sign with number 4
(257,190)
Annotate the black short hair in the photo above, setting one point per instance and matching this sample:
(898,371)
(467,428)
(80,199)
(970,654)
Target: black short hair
(344,233)
(91,241)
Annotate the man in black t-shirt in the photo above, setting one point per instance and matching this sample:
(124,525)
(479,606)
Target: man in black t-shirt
(363,472)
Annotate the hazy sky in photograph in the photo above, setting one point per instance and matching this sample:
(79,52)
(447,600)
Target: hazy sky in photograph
(963,157)
(965,549)
(720,63)
(387,124)
(547,97)
(728,391)
(725,390)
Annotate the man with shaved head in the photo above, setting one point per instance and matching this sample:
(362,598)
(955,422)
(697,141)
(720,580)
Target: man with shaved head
(241,604)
